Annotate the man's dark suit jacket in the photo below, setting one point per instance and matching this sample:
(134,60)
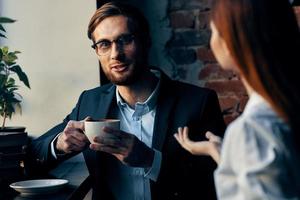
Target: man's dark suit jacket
(182,175)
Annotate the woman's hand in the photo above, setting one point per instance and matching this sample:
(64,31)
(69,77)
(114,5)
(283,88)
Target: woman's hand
(210,147)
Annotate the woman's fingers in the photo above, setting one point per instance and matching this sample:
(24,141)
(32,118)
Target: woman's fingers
(182,135)
(185,134)
(176,135)
(212,137)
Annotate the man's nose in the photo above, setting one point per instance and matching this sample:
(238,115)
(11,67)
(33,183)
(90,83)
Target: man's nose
(116,51)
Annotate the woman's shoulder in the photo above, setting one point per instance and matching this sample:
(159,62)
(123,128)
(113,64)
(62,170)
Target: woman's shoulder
(260,130)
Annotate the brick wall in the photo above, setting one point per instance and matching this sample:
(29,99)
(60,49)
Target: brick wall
(189,45)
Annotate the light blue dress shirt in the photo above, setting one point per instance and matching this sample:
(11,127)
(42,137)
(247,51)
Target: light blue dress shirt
(132,183)
(258,159)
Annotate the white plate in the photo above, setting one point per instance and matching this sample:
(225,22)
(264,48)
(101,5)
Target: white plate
(39,186)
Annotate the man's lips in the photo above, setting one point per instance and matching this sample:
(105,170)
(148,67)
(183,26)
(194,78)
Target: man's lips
(119,67)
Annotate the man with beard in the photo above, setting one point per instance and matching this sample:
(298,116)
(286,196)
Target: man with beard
(143,159)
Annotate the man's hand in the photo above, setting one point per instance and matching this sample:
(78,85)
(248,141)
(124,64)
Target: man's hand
(72,138)
(125,147)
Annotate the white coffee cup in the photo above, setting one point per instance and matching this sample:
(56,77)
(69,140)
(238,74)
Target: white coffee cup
(94,128)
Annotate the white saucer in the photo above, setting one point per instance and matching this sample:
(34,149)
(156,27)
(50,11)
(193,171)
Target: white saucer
(40,186)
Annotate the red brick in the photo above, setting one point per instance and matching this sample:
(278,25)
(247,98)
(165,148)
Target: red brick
(206,4)
(182,19)
(185,38)
(227,103)
(205,55)
(209,71)
(229,118)
(230,87)
(190,4)
(183,55)
(213,71)
(297,12)
(243,101)
(203,20)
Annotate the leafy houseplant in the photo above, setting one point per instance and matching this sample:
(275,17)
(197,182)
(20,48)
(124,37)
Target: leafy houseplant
(9,98)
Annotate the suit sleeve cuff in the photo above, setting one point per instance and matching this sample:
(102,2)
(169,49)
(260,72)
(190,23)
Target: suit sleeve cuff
(153,172)
(53,153)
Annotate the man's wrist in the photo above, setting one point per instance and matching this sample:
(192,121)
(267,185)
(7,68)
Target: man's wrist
(56,150)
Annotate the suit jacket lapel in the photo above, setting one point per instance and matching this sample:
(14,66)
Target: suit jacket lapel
(106,99)
(165,103)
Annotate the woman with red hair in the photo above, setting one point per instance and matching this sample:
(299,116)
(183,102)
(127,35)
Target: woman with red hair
(259,156)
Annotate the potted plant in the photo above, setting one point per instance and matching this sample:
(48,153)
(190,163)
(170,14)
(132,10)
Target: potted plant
(13,140)
(9,69)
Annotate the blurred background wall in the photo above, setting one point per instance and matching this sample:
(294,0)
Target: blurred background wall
(56,56)
(190,51)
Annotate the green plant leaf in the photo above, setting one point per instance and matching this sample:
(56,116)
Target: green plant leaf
(5,50)
(10,82)
(1,35)
(12,89)
(2,68)
(9,63)
(1,54)
(15,100)
(22,76)
(3,79)
(9,57)
(6,20)
(2,28)
(12,56)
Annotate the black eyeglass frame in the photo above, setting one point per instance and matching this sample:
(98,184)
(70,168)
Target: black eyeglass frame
(121,41)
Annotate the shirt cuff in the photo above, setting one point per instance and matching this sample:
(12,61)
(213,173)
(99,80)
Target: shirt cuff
(52,147)
(153,172)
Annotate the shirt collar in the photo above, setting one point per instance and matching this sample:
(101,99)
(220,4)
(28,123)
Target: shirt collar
(255,101)
(151,100)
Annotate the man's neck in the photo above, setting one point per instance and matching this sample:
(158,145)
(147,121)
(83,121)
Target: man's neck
(140,90)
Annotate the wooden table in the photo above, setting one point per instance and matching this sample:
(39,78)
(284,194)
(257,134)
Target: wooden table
(75,171)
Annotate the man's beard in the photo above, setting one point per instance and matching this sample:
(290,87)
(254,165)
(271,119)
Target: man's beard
(128,78)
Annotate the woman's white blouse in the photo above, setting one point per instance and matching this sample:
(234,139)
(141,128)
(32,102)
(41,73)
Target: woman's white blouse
(257,157)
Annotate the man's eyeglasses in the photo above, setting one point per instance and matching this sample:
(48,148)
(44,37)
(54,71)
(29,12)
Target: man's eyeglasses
(103,47)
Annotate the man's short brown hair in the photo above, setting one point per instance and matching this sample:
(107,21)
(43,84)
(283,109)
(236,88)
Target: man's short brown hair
(139,24)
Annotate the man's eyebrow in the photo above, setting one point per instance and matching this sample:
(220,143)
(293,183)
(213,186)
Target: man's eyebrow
(102,40)
(121,35)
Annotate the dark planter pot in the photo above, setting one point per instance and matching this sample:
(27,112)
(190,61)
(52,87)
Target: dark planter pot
(13,129)
(13,141)
(12,136)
